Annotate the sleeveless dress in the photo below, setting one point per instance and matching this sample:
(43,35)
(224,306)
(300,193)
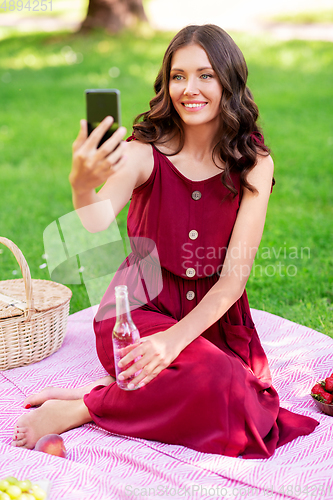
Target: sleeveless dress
(217,395)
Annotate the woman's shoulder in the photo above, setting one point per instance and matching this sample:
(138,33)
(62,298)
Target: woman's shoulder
(140,156)
(139,147)
(261,175)
(264,160)
(265,164)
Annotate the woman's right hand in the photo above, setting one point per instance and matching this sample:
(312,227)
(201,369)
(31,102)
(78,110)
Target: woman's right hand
(92,166)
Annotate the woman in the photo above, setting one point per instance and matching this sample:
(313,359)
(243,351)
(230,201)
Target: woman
(200,177)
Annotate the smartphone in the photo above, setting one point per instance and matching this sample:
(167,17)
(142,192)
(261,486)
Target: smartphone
(102,103)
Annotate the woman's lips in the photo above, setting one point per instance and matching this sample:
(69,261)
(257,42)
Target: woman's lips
(194,106)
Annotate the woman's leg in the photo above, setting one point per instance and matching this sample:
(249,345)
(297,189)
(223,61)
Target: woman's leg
(53,417)
(64,393)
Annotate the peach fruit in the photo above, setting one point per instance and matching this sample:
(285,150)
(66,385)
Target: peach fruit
(53,444)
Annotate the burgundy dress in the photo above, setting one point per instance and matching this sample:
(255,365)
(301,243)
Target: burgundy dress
(216,396)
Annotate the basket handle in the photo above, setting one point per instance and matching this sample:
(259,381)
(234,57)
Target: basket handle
(25,273)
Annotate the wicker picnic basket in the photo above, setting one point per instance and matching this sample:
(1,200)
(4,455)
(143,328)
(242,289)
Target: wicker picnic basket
(33,316)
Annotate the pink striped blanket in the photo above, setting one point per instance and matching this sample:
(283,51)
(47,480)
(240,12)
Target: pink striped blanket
(104,466)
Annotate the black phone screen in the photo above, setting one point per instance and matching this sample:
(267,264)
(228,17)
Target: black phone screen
(102,103)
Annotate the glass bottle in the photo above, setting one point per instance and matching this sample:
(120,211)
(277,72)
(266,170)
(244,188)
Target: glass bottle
(125,333)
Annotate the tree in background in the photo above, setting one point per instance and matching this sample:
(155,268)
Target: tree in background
(113,15)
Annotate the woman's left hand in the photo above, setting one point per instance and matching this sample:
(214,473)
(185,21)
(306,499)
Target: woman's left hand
(155,352)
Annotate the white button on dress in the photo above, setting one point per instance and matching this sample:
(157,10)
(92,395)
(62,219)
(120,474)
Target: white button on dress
(190,272)
(196,195)
(193,234)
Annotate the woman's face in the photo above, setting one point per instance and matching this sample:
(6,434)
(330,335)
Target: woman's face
(194,87)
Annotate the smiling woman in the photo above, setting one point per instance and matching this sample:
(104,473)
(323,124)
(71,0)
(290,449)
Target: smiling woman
(199,346)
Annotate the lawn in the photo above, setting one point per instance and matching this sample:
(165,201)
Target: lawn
(42,83)
(306,17)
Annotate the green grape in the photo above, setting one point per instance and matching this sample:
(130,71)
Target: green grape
(12,480)
(3,484)
(25,485)
(26,496)
(13,491)
(37,492)
(4,496)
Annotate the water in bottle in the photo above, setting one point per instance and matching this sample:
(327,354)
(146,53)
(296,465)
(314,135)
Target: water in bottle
(124,334)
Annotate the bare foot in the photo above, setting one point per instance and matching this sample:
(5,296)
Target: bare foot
(53,417)
(64,393)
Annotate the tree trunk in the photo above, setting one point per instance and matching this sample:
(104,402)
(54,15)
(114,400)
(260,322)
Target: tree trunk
(113,15)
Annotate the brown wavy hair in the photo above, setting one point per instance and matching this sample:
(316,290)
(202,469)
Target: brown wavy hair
(239,139)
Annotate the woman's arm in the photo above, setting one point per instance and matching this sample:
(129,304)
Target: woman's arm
(159,350)
(121,166)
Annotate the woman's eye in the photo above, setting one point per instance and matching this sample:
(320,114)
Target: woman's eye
(177,77)
(206,76)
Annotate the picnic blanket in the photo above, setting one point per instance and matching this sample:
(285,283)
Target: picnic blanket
(102,466)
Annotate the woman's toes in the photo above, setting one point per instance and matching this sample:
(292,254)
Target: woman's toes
(16,432)
(20,442)
(30,401)
(19,436)
(19,431)
(35,400)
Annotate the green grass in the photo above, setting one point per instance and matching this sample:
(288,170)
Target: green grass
(42,82)
(307,17)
